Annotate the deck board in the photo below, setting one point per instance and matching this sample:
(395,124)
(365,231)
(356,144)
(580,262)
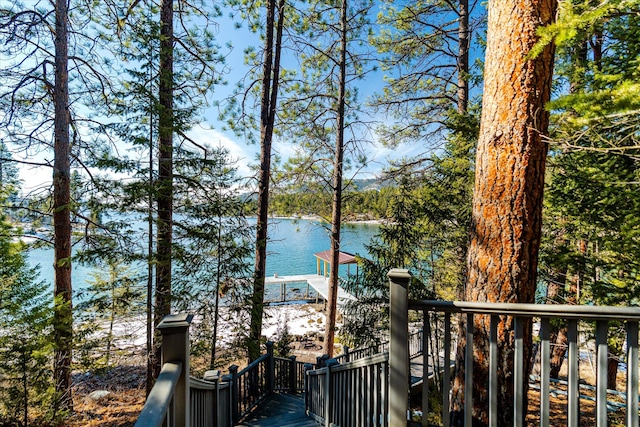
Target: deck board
(282,410)
(317,282)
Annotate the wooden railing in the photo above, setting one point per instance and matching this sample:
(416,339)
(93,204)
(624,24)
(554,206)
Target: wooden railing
(348,355)
(265,375)
(252,384)
(289,375)
(168,401)
(351,394)
(521,314)
(210,401)
(179,400)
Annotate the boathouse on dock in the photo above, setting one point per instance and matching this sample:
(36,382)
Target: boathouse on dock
(319,282)
(324,262)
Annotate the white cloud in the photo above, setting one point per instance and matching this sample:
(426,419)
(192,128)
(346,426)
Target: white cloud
(242,153)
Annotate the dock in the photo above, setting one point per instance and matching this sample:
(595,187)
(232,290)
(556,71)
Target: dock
(319,283)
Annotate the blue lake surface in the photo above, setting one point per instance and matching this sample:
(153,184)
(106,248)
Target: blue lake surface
(289,251)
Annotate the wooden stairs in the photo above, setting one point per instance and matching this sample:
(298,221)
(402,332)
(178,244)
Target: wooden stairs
(281,410)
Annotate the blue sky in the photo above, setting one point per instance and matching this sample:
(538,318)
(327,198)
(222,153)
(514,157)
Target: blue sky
(210,129)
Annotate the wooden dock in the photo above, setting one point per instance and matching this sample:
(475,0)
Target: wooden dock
(318,283)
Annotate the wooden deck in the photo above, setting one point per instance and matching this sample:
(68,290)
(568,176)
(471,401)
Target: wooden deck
(317,282)
(282,410)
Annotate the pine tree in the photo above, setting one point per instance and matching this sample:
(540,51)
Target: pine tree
(111,299)
(26,340)
(507,199)
(26,345)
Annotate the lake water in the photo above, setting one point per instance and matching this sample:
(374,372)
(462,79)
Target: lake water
(289,252)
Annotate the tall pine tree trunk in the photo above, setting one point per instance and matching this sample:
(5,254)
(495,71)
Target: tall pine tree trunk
(336,211)
(463,56)
(270,79)
(63,318)
(507,206)
(164,197)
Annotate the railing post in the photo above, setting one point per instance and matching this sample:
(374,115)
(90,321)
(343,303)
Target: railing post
(398,350)
(175,348)
(345,351)
(307,367)
(328,404)
(293,375)
(270,368)
(321,360)
(234,393)
(214,376)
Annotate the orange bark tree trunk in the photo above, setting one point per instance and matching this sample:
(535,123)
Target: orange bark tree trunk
(336,215)
(269,98)
(164,184)
(63,317)
(507,206)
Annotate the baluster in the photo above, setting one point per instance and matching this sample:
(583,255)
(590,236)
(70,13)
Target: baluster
(234,391)
(328,406)
(446,378)
(270,368)
(293,375)
(602,328)
(468,372)
(493,371)
(573,395)
(545,368)
(426,334)
(632,374)
(518,375)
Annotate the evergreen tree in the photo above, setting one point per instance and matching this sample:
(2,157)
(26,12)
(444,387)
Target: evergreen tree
(26,345)
(161,89)
(506,217)
(110,300)
(425,46)
(51,73)
(27,348)
(594,164)
(397,245)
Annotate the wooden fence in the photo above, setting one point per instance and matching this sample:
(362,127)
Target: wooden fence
(351,394)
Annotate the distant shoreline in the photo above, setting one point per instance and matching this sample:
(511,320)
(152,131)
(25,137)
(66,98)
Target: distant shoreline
(319,218)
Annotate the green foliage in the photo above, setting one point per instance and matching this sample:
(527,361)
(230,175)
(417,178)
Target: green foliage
(418,46)
(112,300)
(357,205)
(26,348)
(593,173)
(428,218)
(283,339)
(589,247)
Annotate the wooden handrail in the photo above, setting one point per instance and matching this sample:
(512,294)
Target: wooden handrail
(415,349)
(168,400)
(543,314)
(160,399)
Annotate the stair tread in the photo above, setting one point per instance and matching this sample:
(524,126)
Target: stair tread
(283,410)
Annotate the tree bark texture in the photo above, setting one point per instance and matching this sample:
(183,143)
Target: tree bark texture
(63,317)
(507,206)
(269,96)
(164,185)
(336,210)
